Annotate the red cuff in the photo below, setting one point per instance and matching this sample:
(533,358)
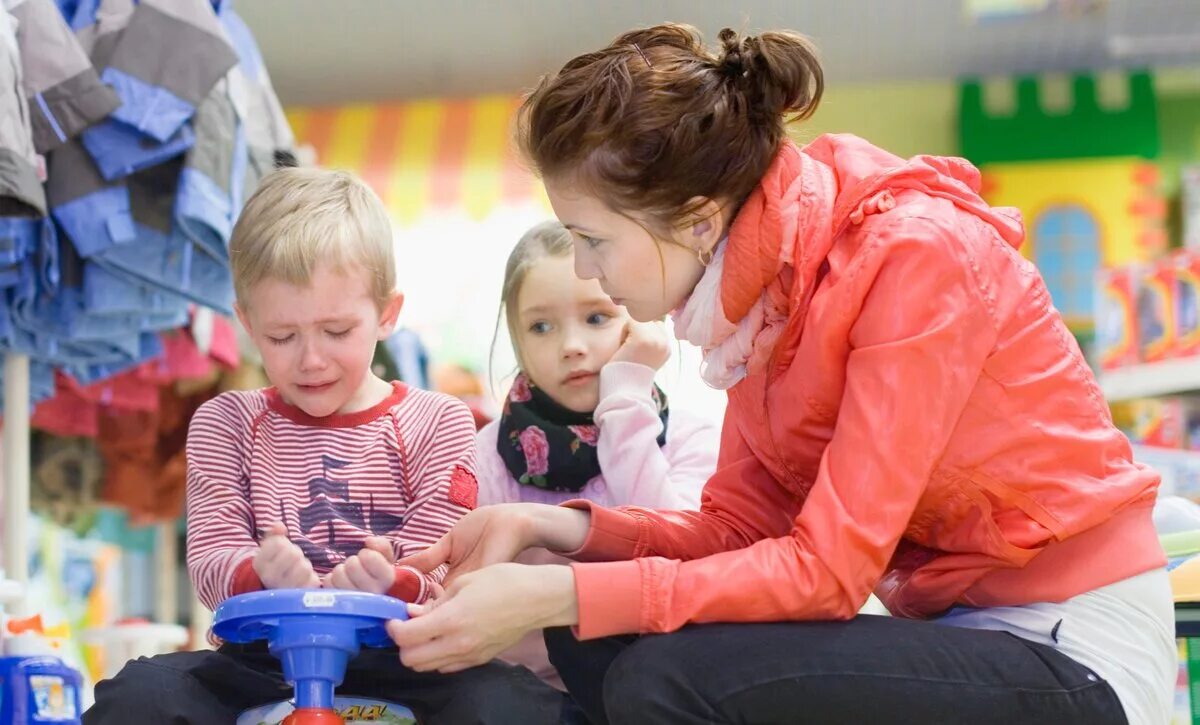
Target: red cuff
(614,534)
(245,579)
(409,585)
(610,598)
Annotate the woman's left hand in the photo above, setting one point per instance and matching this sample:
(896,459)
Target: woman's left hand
(484,613)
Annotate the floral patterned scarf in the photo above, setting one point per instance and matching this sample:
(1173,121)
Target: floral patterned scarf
(550,447)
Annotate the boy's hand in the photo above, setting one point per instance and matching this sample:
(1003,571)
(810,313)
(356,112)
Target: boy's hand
(280,564)
(646,343)
(370,570)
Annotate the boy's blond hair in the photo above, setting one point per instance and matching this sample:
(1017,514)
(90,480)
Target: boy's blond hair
(300,218)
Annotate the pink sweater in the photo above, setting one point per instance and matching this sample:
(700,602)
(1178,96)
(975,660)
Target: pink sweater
(637,470)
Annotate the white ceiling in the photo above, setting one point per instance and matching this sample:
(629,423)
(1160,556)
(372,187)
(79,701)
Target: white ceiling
(333,51)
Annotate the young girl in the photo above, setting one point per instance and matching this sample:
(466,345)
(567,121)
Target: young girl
(584,419)
(907,414)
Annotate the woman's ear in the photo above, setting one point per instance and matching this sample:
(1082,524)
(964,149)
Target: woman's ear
(705,225)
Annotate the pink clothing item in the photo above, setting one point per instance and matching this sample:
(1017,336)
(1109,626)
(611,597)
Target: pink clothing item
(636,471)
(914,419)
(224,347)
(403,469)
(75,409)
(702,322)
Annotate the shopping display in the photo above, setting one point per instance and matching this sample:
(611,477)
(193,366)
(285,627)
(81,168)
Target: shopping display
(196,489)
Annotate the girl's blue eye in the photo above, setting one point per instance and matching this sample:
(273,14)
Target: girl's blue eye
(540,328)
(598,318)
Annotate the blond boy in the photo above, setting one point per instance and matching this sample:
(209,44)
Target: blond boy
(324,479)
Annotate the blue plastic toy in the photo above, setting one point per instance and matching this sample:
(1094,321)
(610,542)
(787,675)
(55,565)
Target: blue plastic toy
(314,633)
(38,689)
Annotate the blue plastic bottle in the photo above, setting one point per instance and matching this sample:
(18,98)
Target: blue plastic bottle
(39,689)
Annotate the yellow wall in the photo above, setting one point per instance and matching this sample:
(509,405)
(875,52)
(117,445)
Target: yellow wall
(1106,187)
(904,118)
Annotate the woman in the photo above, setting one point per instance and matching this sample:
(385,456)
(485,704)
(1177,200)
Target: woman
(907,414)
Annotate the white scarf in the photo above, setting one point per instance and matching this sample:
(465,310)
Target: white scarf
(701,321)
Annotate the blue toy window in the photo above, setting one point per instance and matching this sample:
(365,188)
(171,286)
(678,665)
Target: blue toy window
(1066,249)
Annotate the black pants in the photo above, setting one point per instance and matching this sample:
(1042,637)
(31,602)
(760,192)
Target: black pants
(868,670)
(212,688)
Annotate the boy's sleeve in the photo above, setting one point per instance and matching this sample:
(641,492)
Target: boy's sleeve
(221,537)
(441,487)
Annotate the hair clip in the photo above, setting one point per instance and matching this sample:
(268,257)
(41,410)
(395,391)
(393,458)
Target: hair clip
(639,52)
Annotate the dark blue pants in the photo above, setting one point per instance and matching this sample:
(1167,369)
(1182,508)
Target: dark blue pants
(869,670)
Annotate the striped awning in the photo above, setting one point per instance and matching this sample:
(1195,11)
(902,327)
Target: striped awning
(427,155)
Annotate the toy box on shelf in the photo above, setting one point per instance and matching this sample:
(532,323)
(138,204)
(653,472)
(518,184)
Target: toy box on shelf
(1165,432)
(1148,312)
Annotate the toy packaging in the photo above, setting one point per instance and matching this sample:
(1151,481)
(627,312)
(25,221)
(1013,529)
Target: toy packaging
(1156,422)
(1117,317)
(1156,310)
(1187,302)
(35,686)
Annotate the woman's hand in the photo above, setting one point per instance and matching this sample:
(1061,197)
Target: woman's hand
(497,534)
(484,613)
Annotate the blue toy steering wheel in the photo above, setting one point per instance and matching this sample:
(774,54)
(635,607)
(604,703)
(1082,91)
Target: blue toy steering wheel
(313,632)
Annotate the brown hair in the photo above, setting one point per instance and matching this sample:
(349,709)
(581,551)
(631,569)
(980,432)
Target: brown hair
(655,119)
(547,239)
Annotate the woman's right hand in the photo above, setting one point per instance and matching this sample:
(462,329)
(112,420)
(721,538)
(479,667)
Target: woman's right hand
(497,534)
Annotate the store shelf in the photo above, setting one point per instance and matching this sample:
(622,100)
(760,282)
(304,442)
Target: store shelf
(1146,381)
(1171,456)
(1180,470)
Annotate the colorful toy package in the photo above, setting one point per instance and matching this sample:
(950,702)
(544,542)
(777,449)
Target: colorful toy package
(1157,422)
(1187,302)
(1116,318)
(1156,310)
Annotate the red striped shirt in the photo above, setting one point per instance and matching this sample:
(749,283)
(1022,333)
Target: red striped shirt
(404,470)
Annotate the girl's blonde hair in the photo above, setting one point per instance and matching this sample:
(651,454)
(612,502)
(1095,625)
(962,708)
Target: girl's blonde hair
(548,239)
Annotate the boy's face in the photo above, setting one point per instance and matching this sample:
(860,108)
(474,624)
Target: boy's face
(317,341)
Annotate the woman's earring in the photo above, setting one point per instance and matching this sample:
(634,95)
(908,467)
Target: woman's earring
(705,256)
